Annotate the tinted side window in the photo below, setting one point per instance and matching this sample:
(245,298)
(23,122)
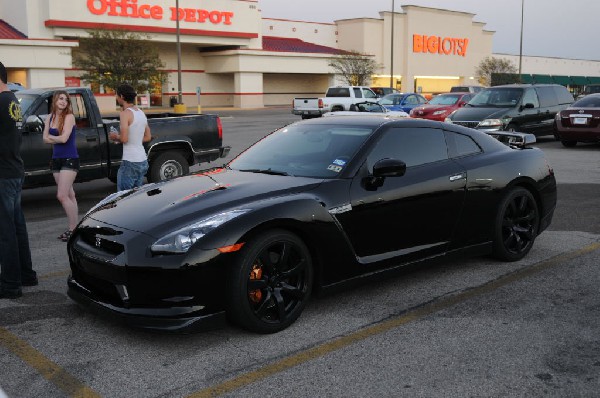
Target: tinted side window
(563,95)
(357,92)
(411,100)
(368,93)
(338,92)
(461,145)
(531,97)
(547,96)
(414,146)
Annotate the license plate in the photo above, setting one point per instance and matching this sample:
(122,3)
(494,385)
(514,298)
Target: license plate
(580,120)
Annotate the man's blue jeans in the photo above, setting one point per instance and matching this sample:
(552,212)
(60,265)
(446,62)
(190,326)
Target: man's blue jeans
(131,174)
(15,255)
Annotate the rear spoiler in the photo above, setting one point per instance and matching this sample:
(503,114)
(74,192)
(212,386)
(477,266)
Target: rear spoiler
(513,138)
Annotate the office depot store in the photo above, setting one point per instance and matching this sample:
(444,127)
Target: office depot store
(231,56)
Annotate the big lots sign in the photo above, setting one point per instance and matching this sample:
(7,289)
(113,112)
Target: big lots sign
(440,45)
(135,9)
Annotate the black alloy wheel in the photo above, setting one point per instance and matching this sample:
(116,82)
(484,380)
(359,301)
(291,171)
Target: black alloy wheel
(516,225)
(270,283)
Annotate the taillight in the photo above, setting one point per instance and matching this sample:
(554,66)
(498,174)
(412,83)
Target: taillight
(220,128)
(320,103)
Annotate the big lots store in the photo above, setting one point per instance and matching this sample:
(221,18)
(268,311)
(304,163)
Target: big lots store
(231,56)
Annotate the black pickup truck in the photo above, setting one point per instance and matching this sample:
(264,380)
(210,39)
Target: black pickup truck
(178,140)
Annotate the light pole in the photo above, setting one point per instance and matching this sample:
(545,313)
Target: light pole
(179,95)
(521,45)
(392,50)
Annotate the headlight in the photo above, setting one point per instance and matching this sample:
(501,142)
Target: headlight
(439,112)
(181,240)
(490,123)
(447,119)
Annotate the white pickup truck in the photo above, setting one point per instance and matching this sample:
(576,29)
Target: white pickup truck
(338,98)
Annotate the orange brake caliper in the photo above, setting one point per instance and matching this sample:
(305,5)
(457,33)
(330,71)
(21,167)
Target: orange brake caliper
(255,273)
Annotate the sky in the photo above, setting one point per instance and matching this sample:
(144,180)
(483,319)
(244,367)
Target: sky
(551,28)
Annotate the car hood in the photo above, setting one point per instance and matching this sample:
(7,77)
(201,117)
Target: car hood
(190,198)
(478,114)
(432,108)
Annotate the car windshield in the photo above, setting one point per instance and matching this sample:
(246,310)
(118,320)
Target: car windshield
(497,97)
(445,100)
(391,99)
(25,100)
(305,150)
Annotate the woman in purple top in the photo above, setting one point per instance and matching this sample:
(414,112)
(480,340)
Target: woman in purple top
(59,130)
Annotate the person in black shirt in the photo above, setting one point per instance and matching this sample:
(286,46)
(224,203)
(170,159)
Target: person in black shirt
(15,256)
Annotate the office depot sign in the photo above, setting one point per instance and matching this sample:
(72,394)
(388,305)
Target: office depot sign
(135,9)
(439,45)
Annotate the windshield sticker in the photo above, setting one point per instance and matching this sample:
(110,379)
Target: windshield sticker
(339,162)
(334,167)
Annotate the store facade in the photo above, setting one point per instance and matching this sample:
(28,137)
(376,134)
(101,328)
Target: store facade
(231,56)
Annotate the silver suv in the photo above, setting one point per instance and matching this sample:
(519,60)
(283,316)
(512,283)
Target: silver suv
(466,89)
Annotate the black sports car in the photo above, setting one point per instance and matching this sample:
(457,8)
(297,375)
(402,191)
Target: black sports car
(309,207)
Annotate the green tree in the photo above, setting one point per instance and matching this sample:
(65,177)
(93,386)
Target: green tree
(355,68)
(490,65)
(112,57)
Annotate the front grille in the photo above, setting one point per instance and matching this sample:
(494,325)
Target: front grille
(98,277)
(466,124)
(97,240)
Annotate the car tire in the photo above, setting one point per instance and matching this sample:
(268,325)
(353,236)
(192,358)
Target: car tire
(168,165)
(516,225)
(568,143)
(270,283)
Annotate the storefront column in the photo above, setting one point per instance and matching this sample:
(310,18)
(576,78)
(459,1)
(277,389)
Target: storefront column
(408,83)
(248,90)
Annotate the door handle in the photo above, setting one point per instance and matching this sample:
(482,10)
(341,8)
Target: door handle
(457,177)
(91,139)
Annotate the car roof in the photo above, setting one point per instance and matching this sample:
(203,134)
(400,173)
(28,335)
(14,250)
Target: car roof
(15,86)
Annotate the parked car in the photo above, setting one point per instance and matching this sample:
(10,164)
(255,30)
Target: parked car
(337,98)
(514,107)
(466,89)
(402,101)
(580,122)
(440,106)
(179,141)
(309,207)
(15,87)
(382,91)
(589,89)
(368,108)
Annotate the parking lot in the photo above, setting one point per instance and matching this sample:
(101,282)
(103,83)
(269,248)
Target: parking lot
(477,328)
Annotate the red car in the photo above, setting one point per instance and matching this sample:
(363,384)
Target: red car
(441,106)
(580,122)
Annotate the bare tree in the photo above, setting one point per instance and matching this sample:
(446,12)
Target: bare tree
(355,68)
(490,65)
(112,57)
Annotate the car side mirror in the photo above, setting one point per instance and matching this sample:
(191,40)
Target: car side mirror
(528,105)
(34,124)
(384,168)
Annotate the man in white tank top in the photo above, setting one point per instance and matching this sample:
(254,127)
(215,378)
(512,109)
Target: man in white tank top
(134,131)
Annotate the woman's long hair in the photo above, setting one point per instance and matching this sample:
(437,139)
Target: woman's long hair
(61,115)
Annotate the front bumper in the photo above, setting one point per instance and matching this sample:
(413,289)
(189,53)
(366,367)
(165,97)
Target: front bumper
(113,273)
(182,319)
